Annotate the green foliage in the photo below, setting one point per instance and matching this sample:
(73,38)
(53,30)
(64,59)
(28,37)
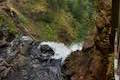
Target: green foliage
(50,17)
(49,33)
(47,17)
(56,4)
(7,23)
(84,12)
(81,9)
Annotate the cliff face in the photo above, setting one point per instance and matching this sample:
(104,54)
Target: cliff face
(94,62)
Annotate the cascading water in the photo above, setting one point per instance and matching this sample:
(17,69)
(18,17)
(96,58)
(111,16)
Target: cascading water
(61,50)
(34,60)
(46,59)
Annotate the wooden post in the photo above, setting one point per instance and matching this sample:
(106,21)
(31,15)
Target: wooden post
(116,25)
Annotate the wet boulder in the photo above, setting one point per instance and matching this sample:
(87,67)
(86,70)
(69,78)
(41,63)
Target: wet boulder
(47,50)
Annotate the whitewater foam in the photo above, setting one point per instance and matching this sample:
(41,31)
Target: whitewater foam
(61,50)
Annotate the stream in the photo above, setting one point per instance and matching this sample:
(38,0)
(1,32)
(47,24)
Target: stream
(32,60)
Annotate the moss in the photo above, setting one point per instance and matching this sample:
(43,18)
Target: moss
(49,33)
(7,22)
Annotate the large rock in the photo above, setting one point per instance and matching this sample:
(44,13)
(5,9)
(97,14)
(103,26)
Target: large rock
(45,49)
(84,66)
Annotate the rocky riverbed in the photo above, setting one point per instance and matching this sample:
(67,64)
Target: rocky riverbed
(21,58)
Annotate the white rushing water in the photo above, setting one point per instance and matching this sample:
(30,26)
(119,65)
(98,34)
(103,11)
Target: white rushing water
(76,46)
(61,50)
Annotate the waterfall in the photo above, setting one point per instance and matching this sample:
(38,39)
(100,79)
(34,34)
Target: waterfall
(61,50)
(40,60)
